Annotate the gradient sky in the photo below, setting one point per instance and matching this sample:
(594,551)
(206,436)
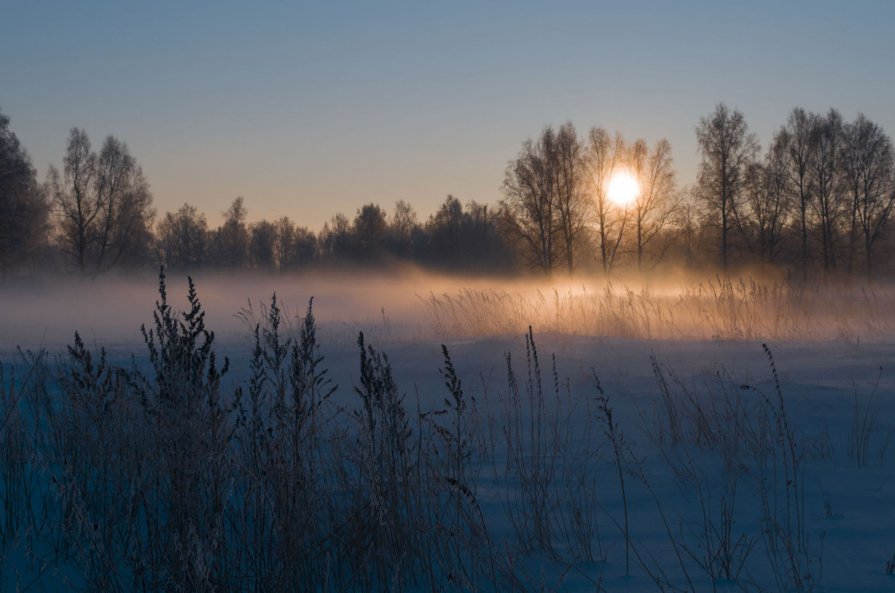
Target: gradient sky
(307,109)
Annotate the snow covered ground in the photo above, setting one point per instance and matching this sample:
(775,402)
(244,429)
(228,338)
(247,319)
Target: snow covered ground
(743,468)
(835,394)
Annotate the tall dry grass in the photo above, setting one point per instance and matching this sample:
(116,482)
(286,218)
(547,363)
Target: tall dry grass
(725,308)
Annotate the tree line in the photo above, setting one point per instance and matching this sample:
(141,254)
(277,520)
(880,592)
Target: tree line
(818,200)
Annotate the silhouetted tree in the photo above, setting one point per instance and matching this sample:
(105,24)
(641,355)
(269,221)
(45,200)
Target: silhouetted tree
(546,198)
(370,231)
(653,208)
(262,245)
(767,203)
(485,247)
(465,239)
(285,243)
(79,207)
(529,189)
(606,156)
(688,234)
(231,241)
(126,207)
(402,228)
(444,228)
(727,149)
(104,203)
(183,238)
(336,238)
(23,206)
(868,168)
(571,207)
(295,247)
(304,250)
(794,145)
(827,182)
(824,191)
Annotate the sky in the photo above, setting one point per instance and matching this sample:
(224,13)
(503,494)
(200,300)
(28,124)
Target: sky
(308,109)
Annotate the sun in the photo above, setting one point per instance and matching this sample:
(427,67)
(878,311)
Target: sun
(623,188)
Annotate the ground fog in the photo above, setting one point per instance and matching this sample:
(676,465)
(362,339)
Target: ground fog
(411,305)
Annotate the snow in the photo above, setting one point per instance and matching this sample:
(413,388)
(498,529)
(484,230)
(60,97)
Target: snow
(831,393)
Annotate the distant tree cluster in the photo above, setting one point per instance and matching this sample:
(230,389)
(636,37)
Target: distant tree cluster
(818,200)
(557,206)
(454,238)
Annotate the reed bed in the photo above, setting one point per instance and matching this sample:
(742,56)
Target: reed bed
(716,308)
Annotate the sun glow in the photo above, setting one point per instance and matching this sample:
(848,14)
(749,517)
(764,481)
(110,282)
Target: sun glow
(623,188)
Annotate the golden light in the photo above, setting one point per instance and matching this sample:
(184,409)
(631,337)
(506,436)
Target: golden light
(623,188)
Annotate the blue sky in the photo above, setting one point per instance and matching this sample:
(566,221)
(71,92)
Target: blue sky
(306,109)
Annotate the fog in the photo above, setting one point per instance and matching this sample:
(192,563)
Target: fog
(410,305)
(111,310)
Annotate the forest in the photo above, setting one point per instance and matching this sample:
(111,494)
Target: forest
(817,201)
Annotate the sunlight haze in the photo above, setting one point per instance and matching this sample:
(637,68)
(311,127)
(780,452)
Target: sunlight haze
(623,188)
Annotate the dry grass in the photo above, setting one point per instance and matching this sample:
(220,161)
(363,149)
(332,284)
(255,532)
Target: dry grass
(743,308)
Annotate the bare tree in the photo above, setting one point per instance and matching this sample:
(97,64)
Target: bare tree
(125,206)
(570,166)
(794,145)
(402,226)
(335,237)
(605,156)
(653,208)
(294,246)
(304,250)
(826,177)
(867,168)
(284,245)
(767,203)
(230,241)
(530,200)
(78,206)
(104,204)
(727,149)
